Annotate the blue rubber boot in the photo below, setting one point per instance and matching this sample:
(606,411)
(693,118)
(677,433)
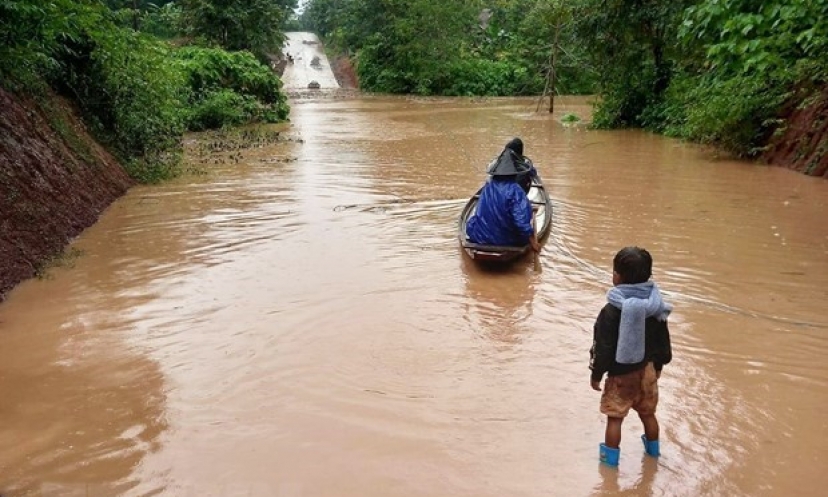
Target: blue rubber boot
(651,446)
(608,455)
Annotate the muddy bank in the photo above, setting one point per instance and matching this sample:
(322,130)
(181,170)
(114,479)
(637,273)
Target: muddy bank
(54,182)
(345,72)
(802,142)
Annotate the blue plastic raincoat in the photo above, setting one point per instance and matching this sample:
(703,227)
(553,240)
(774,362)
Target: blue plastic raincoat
(503,216)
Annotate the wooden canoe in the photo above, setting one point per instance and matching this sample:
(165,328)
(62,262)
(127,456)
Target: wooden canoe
(493,253)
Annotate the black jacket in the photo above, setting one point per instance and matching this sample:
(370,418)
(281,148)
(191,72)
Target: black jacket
(605,340)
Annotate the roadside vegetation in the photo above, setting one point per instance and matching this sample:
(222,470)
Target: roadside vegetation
(723,72)
(454,47)
(142,73)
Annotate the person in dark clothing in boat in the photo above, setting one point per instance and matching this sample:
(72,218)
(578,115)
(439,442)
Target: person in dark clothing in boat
(504,213)
(516,146)
(631,344)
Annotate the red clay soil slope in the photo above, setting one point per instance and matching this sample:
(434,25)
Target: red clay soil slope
(53,184)
(803,145)
(344,72)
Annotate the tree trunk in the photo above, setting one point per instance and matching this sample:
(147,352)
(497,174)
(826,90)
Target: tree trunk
(552,74)
(545,88)
(662,68)
(552,70)
(135,24)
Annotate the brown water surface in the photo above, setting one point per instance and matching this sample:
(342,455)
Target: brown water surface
(302,322)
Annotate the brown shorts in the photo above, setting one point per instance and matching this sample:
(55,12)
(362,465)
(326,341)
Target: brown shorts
(637,390)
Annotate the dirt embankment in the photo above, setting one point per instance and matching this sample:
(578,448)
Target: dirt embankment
(802,143)
(345,72)
(54,182)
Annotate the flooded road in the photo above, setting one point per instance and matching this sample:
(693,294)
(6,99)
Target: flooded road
(308,63)
(297,320)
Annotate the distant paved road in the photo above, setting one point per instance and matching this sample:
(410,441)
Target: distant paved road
(303,47)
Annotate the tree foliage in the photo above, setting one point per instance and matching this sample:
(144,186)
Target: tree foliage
(454,47)
(717,71)
(138,93)
(747,36)
(751,59)
(228,88)
(253,25)
(633,46)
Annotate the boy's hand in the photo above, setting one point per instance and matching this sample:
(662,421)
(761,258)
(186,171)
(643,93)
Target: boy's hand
(596,385)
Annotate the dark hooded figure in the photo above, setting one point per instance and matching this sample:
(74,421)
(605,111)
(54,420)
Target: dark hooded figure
(516,146)
(504,213)
(515,161)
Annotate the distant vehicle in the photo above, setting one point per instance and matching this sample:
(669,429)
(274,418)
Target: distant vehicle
(313,85)
(315,61)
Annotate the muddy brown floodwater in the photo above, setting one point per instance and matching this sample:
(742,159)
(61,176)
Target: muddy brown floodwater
(302,323)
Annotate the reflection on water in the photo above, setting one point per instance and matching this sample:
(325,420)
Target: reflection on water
(310,327)
(498,299)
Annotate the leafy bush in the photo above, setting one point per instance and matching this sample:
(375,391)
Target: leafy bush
(216,109)
(623,99)
(485,77)
(130,94)
(163,21)
(753,55)
(122,81)
(28,39)
(464,77)
(770,37)
(377,73)
(135,91)
(737,114)
(253,25)
(570,118)
(214,74)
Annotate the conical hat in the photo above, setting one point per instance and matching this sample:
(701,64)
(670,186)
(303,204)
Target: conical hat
(508,164)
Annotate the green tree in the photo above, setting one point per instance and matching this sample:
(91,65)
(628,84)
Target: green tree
(632,44)
(749,36)
(135,92)
(549,45)
(744,60)
(454,47)
(229,88)
(253,25)
(413,44)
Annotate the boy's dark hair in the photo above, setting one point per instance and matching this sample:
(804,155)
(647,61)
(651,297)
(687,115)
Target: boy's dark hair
(633,265)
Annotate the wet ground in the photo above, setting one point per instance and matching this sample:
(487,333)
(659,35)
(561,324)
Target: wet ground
(307,63)
(296,319)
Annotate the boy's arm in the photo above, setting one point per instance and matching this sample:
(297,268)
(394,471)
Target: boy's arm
(663,353)
(602,353)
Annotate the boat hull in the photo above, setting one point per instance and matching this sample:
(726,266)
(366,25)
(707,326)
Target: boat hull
(500,254)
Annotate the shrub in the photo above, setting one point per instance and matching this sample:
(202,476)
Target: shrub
(129,93)
(736,113)
(224,107)
(486,77)
(219,80)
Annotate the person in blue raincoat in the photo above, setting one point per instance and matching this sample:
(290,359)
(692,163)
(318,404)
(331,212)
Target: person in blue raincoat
(504,213)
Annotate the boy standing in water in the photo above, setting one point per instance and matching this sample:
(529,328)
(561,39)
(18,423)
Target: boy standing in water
(631,344)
